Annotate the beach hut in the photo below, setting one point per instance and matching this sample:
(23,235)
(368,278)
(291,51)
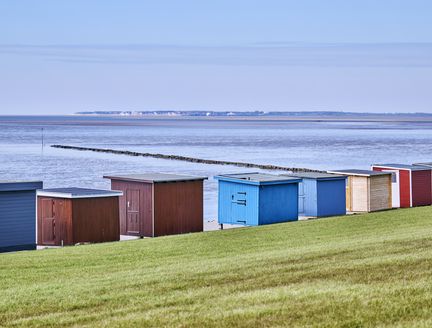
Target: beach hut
(256,199)
(321,194)
(158,204)
(411,184)
(67,216)
(367,191)
(18,215)
(428,165)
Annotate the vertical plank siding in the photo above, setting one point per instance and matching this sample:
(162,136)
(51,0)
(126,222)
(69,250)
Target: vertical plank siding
(421,188)
(278,203)
(178,207)
(17,220)
(96,220)
(331,198)
(360,194)
(380,192)
(310,197)
(54,221)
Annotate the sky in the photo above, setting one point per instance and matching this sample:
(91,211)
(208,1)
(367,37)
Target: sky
(61,57)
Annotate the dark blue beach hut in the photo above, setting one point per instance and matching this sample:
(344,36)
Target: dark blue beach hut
(18,215)
(321,194)
(256,199)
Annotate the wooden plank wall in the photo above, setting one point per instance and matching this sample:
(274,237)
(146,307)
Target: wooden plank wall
(421,188)
(178,207)
(61,211)
(360,194)
(96,220)
(380,192)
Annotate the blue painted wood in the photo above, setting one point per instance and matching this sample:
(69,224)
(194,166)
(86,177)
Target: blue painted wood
(309,205)
(331,198)
(278,203)
(322,197)
(18,217)
(240,202)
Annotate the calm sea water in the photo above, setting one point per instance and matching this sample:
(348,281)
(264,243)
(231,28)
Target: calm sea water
(319,145)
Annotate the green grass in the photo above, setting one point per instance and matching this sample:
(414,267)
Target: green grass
(371,270)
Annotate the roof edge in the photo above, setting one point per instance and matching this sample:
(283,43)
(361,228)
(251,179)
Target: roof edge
(20,185)
(126,178)
(257,183)
(359,174)
(54,194)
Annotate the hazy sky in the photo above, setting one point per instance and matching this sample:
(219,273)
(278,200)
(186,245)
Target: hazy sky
(63,56)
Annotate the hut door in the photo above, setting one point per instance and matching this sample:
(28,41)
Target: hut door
(132,211)
(301,198)
(239,207)
(395,188)
(48,222)
(360,194)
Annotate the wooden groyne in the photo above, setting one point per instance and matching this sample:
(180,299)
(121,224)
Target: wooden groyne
(186,159)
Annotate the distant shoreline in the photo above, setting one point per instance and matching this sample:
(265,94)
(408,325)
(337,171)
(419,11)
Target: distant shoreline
(111,119)
(292,115)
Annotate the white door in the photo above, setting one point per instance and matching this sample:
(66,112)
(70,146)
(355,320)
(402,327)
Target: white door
(395,188)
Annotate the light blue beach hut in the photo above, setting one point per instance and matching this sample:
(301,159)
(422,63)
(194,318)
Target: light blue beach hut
(321,194)
(255,199)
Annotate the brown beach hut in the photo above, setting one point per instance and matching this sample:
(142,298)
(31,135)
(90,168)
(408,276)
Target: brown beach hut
(367,191)
(67,216)
(158,204)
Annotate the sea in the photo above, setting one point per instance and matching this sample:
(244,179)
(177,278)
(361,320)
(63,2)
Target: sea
(25,152)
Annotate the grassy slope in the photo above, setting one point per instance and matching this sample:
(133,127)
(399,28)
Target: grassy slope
(363,270)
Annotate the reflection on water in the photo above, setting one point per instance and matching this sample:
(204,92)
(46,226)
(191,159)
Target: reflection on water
(320,145)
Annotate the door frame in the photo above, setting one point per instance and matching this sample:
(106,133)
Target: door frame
(53,220)
(236,203)
(395,187)
(301,198)
(133,233)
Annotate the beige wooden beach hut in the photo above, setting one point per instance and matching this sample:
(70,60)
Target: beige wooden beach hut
(367,191)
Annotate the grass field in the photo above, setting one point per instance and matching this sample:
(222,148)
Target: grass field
(359,271)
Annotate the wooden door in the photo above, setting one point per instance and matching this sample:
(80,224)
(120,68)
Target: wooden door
(48,222)
(301,198)
(360,194)
(133,211)
(239,207)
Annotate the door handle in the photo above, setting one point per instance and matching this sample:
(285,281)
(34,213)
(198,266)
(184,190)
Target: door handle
(128,204)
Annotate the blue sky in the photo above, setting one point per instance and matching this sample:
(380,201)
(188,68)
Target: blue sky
(65,56)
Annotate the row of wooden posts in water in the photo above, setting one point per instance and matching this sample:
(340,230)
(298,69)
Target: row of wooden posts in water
(158,204)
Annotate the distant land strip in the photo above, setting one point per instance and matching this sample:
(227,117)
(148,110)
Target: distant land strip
(187,159)
(288,114)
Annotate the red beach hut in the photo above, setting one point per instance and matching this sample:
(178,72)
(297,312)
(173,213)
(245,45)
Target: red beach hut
(411,184)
